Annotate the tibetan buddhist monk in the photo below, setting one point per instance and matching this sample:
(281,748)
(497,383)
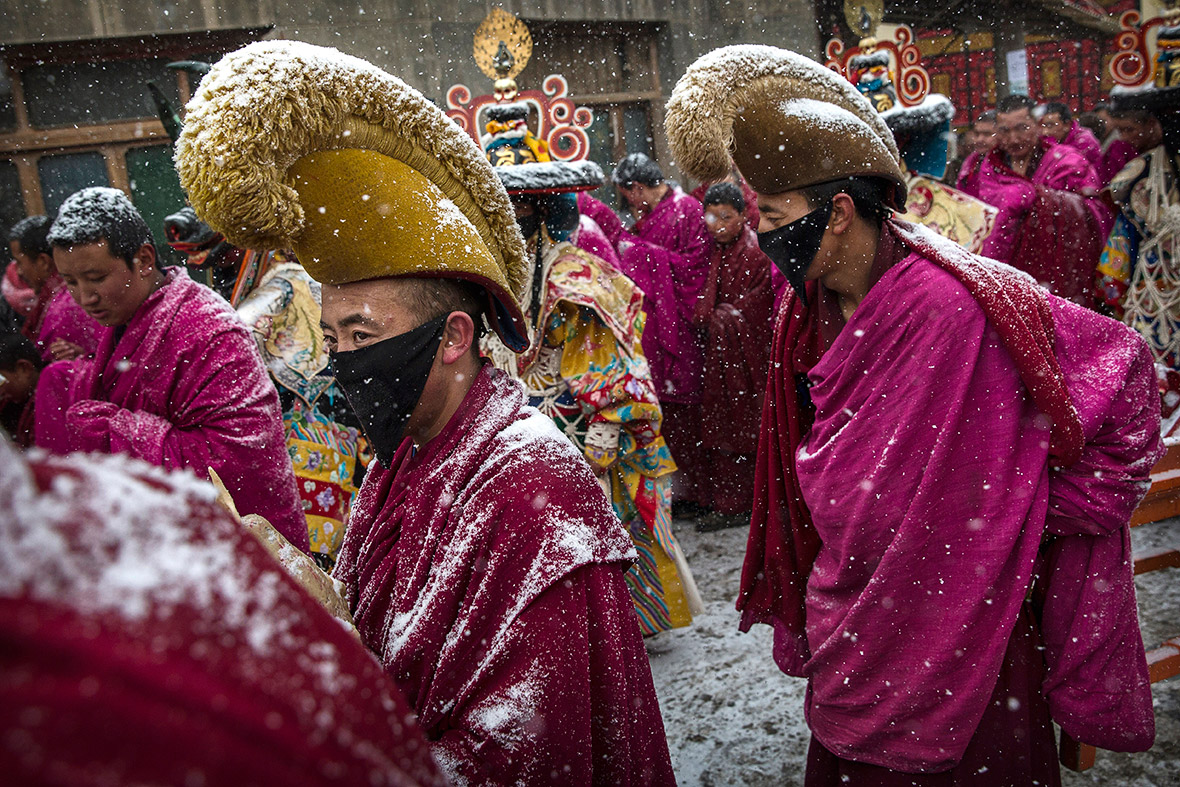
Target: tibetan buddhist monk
(483,562)
(176,381)
(948,462)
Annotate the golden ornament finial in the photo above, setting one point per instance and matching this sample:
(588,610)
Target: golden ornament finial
(502,49)
(863,16)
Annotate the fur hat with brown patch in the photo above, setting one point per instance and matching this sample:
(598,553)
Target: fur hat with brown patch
(288,145)
(786,121)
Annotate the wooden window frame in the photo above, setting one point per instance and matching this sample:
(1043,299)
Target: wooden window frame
(25,145)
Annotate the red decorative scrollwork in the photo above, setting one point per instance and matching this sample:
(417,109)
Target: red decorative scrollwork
(833,51)
(562,123)
(1131,66)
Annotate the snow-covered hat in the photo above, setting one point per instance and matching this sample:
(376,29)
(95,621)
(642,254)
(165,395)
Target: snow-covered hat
(922,133)
(288,145)
(786,121)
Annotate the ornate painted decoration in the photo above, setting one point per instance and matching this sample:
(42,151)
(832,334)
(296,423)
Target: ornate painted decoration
(503,46)
(561,124)
(888,73)
(1133,65)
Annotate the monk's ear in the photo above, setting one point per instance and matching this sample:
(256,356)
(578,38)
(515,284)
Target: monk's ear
(458,336)
(843,214)
(145,259)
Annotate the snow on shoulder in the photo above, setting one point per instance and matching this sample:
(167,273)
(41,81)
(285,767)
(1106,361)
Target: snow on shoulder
(113,535)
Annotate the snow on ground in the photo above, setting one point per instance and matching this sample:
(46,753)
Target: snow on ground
(733,719)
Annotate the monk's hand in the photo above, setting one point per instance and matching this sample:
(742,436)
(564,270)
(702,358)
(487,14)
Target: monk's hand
(89,422)
(321,586)
(61,350)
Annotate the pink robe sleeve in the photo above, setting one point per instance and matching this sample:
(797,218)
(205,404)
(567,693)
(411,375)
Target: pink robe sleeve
(1097,683)
(591,238)
(607,220)
(57,388)
(1013,197)
(593,707)
(232,439)
(1073,174)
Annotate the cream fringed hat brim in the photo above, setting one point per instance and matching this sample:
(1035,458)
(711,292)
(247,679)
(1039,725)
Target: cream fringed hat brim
(784,120)
(407,193)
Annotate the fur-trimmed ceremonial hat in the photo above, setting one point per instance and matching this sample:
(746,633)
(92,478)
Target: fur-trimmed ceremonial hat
(785,120)
(289,145)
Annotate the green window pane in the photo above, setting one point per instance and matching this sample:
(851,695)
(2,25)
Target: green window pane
(156,192)
(637,129)
(602,147)
(80,94)
(63,174)
(7,107)
(12,206)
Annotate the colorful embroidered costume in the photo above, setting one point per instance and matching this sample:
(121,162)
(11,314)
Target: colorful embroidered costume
(280,304)
(586,370)
(1137,274)
(585,367)
(949,212)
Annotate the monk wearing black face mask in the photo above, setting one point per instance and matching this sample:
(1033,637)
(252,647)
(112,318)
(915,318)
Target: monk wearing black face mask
(483,562)
(930,415)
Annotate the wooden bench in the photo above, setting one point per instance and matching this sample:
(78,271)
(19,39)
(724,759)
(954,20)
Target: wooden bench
(1161,502)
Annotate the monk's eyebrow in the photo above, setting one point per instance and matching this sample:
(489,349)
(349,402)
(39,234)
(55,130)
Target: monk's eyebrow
(357,318)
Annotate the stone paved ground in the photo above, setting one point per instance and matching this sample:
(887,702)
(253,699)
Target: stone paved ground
(733,719)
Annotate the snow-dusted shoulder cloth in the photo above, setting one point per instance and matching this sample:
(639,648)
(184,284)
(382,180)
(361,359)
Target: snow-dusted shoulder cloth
(288,145)
(785,120)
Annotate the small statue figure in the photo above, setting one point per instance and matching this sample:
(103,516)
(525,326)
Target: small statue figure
(872,77)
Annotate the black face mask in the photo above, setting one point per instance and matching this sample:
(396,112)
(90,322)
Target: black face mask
(384,381)
(792,247)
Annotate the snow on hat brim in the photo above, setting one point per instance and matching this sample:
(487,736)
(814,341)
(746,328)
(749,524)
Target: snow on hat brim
(550,177)
(934,111)
(786,121)
(1148,98)
(289,145)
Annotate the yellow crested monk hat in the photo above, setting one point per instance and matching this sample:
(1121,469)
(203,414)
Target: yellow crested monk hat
(289,145)
(786,121)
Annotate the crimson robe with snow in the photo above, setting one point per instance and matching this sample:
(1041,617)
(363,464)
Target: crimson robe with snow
(1083,141)
(485,571)
(912,463)
(736,319)
(147,638)
(1051,223)
(667,254)
(180,386)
